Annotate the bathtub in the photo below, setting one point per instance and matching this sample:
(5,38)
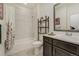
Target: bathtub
(21,45)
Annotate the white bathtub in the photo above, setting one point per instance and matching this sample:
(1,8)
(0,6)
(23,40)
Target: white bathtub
(21,45)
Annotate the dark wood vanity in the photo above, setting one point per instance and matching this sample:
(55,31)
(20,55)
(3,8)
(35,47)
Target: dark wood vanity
(56,47)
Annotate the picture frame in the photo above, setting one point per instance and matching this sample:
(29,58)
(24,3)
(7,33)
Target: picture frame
(1,11)
(57,21)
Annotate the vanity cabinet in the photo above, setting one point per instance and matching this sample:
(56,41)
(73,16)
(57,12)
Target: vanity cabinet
(56,47)
(60,52)
(47,47)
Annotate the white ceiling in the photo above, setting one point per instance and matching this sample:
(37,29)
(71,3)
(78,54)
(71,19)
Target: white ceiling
(31,5)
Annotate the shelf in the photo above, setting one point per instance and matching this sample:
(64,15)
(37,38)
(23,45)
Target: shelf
(42,33)
(43,21)
(43,27)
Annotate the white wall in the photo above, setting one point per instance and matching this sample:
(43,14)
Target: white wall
(35,22)
(23,22)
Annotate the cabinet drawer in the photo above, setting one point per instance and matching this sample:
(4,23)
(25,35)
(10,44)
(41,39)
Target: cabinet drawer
(61,52)
(72,48)
(47,39)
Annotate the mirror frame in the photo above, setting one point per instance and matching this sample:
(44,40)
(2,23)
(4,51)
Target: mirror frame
(54,21)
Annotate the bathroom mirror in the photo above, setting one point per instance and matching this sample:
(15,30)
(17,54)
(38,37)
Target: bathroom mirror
(66,17)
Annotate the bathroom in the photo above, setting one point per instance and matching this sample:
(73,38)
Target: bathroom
(24,38)
(18,15)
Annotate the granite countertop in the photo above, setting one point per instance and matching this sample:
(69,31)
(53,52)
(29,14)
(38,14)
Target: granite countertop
(71,39)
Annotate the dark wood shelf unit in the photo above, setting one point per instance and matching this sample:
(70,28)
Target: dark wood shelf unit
(43,25)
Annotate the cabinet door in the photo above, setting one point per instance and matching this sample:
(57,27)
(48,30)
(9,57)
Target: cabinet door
(72,48)
(53,50)
(47,49)
(61,52)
